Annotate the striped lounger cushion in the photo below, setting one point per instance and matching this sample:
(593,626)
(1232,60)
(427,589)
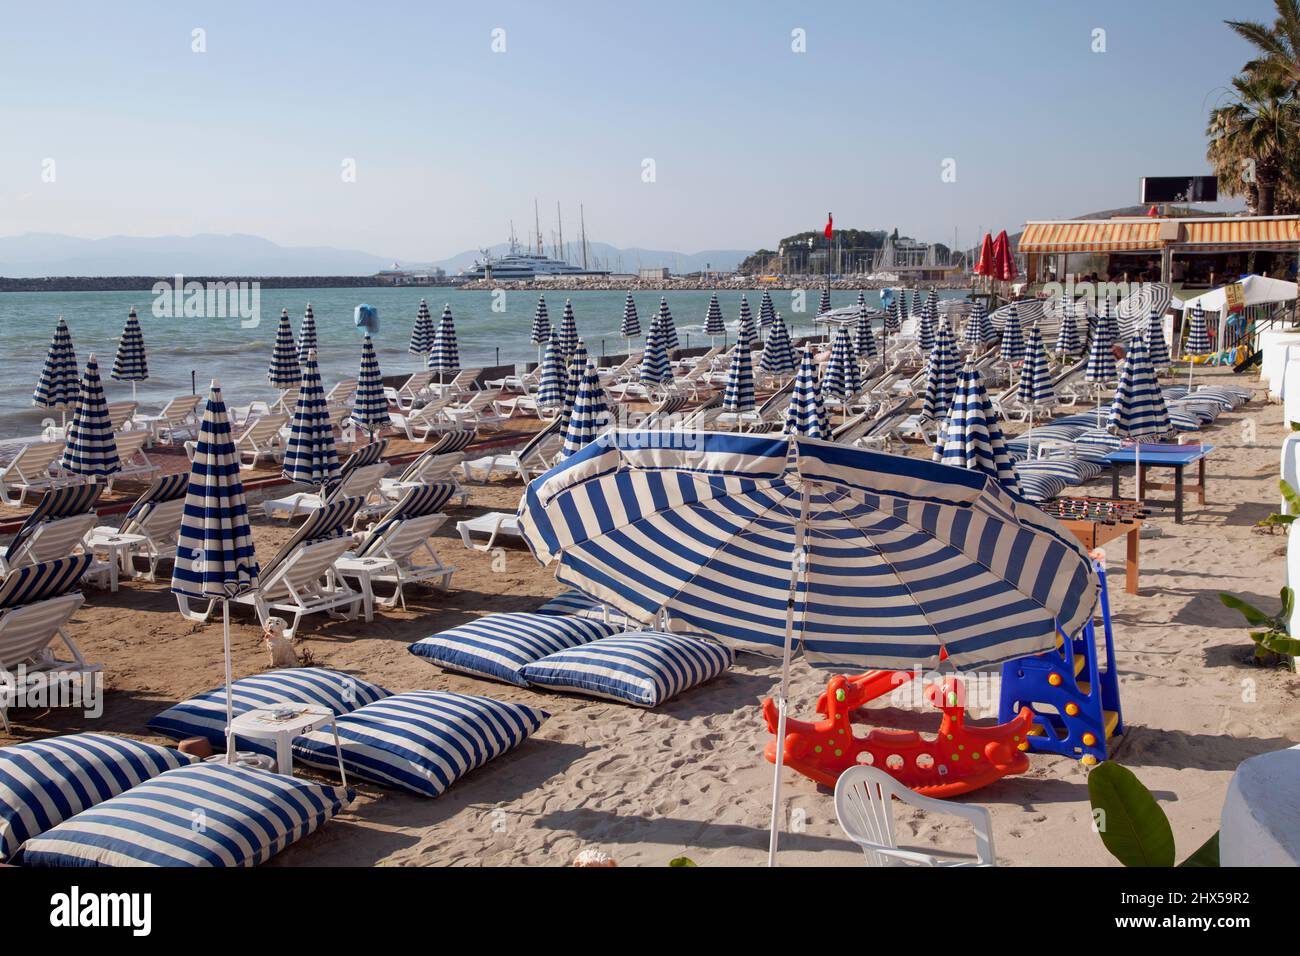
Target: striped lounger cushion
(205,715)
(204,815)
(580,605)
(496,646)
(45,782)
(644,668)
(423,740)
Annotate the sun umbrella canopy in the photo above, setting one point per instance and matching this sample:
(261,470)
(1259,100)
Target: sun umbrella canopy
(655,368)
(747,320)
(1198,338)
(766,310)
(987,264)
(631,326)
(542,322)
(843,378)
(940,376)
(568,331)
(60,381)
(806,414)
(284,372)
(310,455)
(668,328)
(444,358)
(554,375)
(577,368)
(971,436)
(864,339)
(894,318)
(423,332)
(1157,348)
(1067,337)
(1138,409)
(307,335)
(131,364)
(778,353)
(589,415)
(903,558)
(1035,386)
(824,305)
(979,330)
(738,395)
(369,404)
(925,331)
(1004,259)
(1013,338)
(91,449)
(713,324)
(1101,360)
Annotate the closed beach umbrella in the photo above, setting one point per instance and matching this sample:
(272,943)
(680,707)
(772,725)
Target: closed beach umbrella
(747,320)
(766,310)
(778,354)
(631,327)
(131,364)
(713,324)
(91,450)
(1198,340)
(1157,348)
(894,317)
(668,328)
(423,331)
(310,455)
(307,341)
(806,414)
(843,378)
(971,436)
(60,381)
(979,329)
(915,307)
(284,372)
(940,376)
(925,331)
(1035,386)
(824,305)
(369,404)
(554,375)
(568,331)
(541,334)
(772,544)
(738,396)
(864,340)
(577,368)
(215,558)
(1067,337)
(655,368)
(589,415)
(1013,338)
(986,265)
(1138,410)
(1100,369)
(444,358)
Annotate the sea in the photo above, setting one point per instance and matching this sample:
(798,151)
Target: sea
(492,328)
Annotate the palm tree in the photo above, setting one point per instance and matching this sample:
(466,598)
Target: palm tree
(1262,124)
(1279,44)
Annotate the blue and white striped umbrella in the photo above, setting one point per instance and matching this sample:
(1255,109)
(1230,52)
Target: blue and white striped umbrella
(284,372)
(916,302)
(778,353)
(369,404)
(655,368)
(766,310)
(667,326)
(932,303)
(864,340)
(91,449)
(1112,321)
(806,414)
(894,318)
(1198,336)
(568,331)
(423,332)
(747,320)
(1067,337)
(1035,386)
(971,436)
(131,364)
(310,455)
(307,341)
(554,375)
(824,305)
(1157,348)
(738,396)
(589,414)
(843,378)
(925,331)
(1101,360)
(713,324)
(1138,409)
(577,368)
(444,358)
(1013,338)
(940,376)
(541,334)
(631,327)
(979,328)
(60,381)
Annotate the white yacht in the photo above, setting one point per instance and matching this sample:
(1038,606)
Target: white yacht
(517,264)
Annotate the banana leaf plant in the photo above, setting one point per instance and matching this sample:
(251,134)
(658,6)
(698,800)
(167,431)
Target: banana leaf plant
(1271,633)
(1131,824)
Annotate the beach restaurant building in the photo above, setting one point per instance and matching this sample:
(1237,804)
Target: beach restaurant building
(1192,254)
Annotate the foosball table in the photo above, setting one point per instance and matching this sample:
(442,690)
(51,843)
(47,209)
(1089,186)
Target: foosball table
(1096,521)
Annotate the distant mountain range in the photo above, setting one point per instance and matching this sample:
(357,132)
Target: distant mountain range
(46,254)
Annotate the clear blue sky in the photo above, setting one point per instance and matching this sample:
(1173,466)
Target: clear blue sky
(751,141)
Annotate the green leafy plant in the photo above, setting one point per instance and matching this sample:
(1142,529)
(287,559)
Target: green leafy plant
(1271,633)
(1292,508)
(682,861)
(1131,824)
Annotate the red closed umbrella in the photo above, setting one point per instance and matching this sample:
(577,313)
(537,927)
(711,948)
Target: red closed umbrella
(1004,261)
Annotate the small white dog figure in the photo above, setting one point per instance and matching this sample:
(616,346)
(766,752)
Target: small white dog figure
(279,646)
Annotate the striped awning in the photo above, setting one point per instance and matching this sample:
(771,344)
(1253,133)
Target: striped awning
(1099,235)
(1144,235)
(1242,233)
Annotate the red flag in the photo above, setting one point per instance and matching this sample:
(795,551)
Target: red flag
(829,223)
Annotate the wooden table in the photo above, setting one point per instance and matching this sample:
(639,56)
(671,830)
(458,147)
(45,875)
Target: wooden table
(1153,455)
(1096,534)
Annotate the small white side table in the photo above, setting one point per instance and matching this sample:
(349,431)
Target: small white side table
(281,724)
(118,547)
(362,569)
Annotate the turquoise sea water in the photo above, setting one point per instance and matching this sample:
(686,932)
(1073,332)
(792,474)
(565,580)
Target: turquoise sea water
(221,348)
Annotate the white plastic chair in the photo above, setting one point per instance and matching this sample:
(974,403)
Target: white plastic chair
(864,806)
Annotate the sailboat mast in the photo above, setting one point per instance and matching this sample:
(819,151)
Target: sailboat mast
(559,221)
(582,220)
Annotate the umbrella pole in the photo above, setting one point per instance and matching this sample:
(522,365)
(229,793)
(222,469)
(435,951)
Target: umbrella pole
(230,699)
(796,569)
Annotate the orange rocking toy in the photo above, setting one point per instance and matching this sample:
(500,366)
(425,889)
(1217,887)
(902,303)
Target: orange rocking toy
(958,760)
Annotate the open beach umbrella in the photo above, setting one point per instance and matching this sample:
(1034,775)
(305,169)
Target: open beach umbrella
(131,364)
(766,310)
(1035,386)
(284,372)
(843,377)
(1198,340)
(971,436)
(589,414)
(307,341)
(631,327)
(568,331)
(1067,337)
(738,396)
(215,558)
(747,320)
(940,376)
(713,324)
(668,329)
(444,357)
(60,382)
(655,368)
(772,544)
(1013,338)
(554,375)
(1157,348)
(309,455)
(777,359)
(369,404)
(864,340)
(1138,409)
(91,449)
(806,414)
(423,331)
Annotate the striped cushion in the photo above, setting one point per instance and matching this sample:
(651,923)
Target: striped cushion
(496,646)
(205,715)
(204,815)
(1040,487)
(423,740)
(580,605)
(639,667)
(44,782)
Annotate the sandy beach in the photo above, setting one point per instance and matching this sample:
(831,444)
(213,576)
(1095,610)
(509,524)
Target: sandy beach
(688,778)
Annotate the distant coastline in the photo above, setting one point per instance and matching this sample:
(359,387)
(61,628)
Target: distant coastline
(144,283)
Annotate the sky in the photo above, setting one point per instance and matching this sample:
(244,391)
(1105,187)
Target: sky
(451,139)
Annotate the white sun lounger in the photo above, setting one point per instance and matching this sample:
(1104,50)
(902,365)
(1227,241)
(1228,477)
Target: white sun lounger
(478,412)
(532,459)
(493,524)
(120,414)
(428,420)
(413,391)
(177,419)
(262,439)
(135,463)
(397,550)
(463,383)
(51,540)
(30,471)
(360,483)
